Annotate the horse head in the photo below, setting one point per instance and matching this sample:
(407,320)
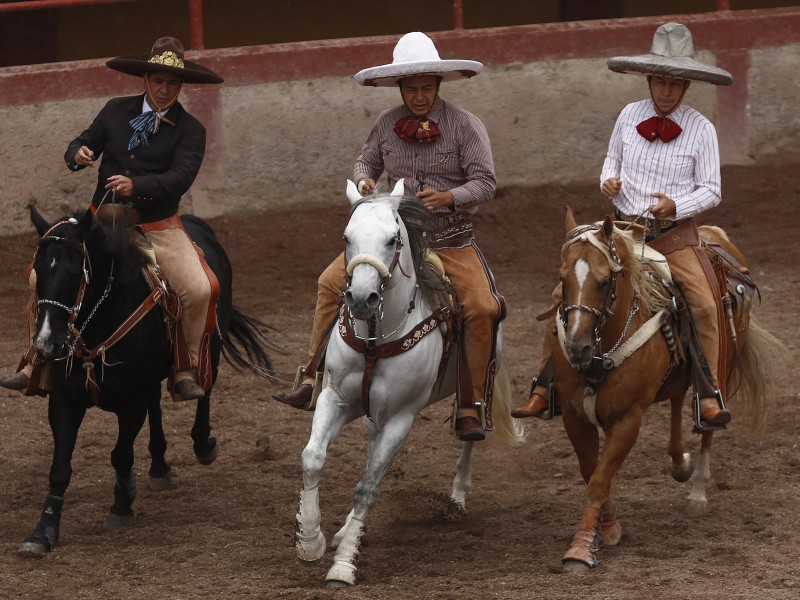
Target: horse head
(62,272)
(590,264)
(374,241)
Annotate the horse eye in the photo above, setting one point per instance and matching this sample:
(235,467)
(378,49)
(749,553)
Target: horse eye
(346,241)
(391,242)
(604,283)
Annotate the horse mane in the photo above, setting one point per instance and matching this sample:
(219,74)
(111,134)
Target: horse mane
(652,295)
(115,243)
(421,226)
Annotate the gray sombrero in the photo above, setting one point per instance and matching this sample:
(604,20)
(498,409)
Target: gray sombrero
(166,56)
(415,54)
(672,54)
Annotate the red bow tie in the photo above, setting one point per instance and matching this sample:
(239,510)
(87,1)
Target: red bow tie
(421,130)
(662,127)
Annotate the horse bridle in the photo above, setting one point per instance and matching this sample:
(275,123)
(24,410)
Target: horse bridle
(74,335)
(579,234)
(386,274)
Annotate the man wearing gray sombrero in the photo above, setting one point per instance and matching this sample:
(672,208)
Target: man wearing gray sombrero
(661,170)
(444,156)
(152,149)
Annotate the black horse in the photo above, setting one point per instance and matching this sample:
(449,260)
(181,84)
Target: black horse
(89,281)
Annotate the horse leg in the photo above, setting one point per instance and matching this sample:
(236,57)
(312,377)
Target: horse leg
(620,437)
(65,419)
(130,423)
(387,442)
(681,464)
(326,426)
(462,483)
(160,473)
(206,448)
(697,503)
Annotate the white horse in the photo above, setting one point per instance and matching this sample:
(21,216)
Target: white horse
(382,305)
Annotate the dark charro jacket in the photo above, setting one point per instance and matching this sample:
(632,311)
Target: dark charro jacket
(161,173)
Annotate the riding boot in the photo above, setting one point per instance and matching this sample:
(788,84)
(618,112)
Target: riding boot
(536,406)
(298,398)
(712,414)
(18,381)
(189,389)
(468,425)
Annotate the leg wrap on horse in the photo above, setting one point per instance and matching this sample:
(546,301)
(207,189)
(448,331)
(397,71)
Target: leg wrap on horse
(586,540)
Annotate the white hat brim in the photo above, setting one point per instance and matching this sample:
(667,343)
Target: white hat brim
(389,75)
(681,68)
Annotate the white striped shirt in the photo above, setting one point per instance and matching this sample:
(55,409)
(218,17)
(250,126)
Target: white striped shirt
(460,160)
(685,169)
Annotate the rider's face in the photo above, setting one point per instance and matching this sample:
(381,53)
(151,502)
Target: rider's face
(420,93)
(162,89)
(667,92)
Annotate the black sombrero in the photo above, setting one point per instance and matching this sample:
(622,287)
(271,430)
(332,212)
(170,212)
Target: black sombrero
(166,56)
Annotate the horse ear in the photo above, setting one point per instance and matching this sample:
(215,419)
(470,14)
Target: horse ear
(38,221)
(570,220)
(85,223)
(608,228)
(352,193)
(399,188)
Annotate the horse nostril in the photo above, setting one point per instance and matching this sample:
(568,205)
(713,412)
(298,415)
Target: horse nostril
(348,298)
(373,301)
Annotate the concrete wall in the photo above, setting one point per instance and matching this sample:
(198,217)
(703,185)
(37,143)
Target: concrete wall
(281,132)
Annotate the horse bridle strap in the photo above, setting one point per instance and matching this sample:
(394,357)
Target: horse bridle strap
(373,352)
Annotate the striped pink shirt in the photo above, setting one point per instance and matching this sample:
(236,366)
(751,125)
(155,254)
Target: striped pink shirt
(460,160)
(685,169)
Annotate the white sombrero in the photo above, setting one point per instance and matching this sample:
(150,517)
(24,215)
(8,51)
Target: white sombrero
(415,54)
(672,54)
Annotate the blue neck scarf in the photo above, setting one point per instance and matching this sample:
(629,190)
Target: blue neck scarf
(143,125)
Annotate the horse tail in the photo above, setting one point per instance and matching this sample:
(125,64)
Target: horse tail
(755,369)
(244,344)
(508,428)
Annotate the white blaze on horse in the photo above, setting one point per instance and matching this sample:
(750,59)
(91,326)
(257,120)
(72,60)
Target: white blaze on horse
(382,363)
(620,352)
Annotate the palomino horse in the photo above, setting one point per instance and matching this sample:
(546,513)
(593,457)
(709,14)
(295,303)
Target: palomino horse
(388,301)
(617,356)
(90,284)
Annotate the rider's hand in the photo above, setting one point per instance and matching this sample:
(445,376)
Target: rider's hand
(84,157)
(366,186)
(664,208)
(611,187)
(434,199)
(123,186)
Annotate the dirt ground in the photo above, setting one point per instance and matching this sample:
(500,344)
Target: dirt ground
(226,530)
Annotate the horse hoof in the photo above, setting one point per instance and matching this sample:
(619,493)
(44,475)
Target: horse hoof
(575,567)
(211,455)
(311,550)
(341,576)
(32,549)
(160,484)
(683,470)
(117,521)
(697,508)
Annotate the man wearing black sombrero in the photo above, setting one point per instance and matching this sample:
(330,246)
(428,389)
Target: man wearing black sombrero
(152,149)
(443,154)
(662,169)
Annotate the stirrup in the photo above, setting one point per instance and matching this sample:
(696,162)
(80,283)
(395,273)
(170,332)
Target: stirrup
(316,387)
(554,409)
(699,426)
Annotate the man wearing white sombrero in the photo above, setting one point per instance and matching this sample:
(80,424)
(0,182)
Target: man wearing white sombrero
(444,156)
(661,170)
(151,150)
